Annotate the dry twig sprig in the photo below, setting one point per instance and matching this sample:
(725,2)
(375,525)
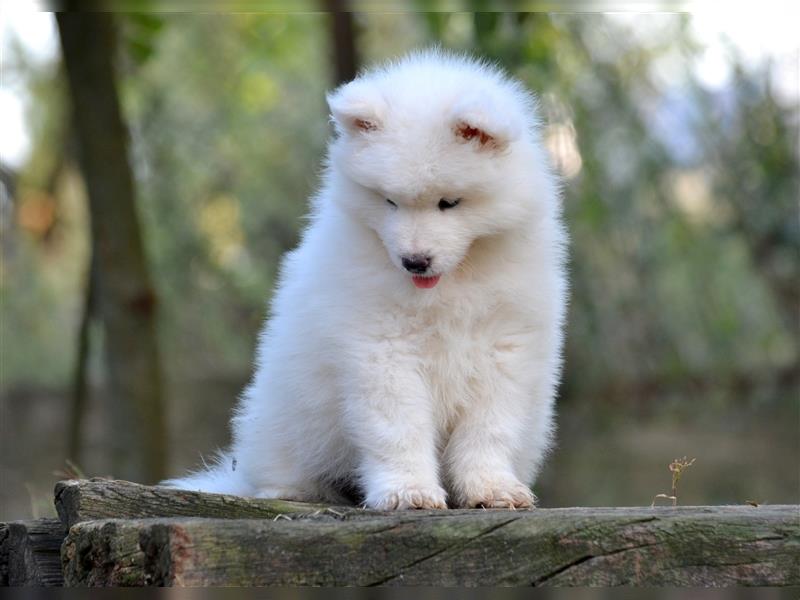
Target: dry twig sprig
(676,467)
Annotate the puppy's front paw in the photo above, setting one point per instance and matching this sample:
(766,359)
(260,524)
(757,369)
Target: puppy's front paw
(489,493)
(407,497)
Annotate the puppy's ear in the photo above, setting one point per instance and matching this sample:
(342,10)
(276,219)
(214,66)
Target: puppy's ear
(477,118)
(357,108)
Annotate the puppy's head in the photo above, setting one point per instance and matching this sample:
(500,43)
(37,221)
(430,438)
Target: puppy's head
(431,154)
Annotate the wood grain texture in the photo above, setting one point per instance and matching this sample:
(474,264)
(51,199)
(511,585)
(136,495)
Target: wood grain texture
(4,554)
(30,553)
(691,546)
(86,500)
(127,534)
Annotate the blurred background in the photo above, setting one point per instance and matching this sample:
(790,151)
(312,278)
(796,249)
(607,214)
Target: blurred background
(129,320)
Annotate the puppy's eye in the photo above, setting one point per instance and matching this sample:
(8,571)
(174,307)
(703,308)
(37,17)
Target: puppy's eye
(444,203)
(392,204)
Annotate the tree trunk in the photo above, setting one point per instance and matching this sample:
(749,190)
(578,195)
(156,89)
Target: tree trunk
(80,381)
(343,41)
(126,300)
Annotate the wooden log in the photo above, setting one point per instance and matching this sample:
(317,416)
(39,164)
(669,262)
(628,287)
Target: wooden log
(3,554)
(86,500)
(685,546)
(30,553)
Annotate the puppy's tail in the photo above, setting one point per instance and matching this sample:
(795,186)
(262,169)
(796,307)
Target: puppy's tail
(221,477)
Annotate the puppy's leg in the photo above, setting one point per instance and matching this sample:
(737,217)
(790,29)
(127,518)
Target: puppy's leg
(388,415)
(479,464)
(488,459)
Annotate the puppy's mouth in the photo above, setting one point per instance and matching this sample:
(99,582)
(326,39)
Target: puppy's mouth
(425,282)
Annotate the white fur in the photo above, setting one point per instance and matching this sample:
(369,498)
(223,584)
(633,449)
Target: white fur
(417,396)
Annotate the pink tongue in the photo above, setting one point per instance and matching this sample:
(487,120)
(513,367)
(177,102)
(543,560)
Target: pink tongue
(425,282)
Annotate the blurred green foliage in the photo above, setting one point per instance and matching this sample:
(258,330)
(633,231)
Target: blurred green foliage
(681,202)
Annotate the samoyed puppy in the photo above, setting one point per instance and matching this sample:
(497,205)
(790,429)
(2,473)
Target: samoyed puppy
(414,345)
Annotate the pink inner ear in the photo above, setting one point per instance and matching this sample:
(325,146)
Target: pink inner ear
(468,133)
(364,125)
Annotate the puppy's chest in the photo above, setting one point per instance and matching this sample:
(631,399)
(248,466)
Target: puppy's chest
(457,354)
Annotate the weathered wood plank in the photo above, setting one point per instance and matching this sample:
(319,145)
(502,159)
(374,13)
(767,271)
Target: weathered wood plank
(86,500)
(697,546)
(3,554)
(30,553)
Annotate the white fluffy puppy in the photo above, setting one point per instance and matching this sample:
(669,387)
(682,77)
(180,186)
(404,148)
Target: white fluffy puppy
(414,346)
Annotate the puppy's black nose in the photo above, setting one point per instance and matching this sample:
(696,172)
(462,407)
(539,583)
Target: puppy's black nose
(416,263)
